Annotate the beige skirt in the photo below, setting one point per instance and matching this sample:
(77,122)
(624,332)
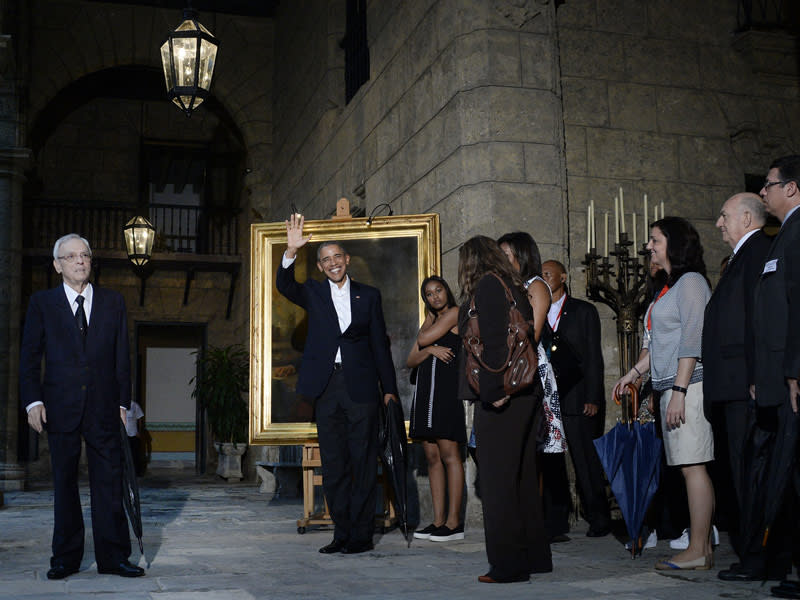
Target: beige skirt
(693,442)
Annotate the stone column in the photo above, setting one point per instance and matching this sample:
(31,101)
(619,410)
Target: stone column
(12,163)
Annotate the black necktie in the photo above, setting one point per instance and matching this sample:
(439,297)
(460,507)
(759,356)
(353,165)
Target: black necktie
(80,316)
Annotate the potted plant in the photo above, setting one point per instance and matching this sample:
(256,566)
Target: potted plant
(220,385)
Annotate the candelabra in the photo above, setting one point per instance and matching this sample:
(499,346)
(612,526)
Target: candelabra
(623,287)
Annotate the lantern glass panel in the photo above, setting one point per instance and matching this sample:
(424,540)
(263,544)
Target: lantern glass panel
(208,56)
(167,64)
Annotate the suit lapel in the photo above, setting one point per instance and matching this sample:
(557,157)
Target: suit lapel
(326,299)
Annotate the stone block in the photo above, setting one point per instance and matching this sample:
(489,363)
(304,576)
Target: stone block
(503,58)
(537,209)
(542,164)
(575,145)
(537,61)
(703,21)
(689,112)
(585,101)
(522,115)
(708,160)
(580,14)
(630,154)
(592,54)
(721,68)
(661,61)
(622,16)
(632,106)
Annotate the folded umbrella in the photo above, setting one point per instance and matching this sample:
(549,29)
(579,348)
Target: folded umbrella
(393,445)
(630,454)
(130,489)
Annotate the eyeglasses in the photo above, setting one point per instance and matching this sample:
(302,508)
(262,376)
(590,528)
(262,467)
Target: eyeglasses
(768,184)
(71,258)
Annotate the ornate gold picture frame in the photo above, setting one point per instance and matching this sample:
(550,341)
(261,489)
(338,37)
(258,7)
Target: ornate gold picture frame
(393,254)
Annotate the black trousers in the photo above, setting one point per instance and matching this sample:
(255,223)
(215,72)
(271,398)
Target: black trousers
(516,540)
(580,432)
(348,445)
(109,524)
(556,500)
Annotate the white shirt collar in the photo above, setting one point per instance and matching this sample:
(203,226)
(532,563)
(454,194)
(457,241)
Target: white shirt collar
(341,291)
(72,294)
(744,238)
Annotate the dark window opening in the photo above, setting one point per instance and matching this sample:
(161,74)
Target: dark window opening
(356,49)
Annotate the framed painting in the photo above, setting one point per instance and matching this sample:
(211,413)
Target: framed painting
(393,254)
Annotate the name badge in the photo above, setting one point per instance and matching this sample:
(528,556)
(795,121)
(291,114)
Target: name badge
(771,266)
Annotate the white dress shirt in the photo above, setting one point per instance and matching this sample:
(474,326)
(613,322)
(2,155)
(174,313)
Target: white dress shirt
(554,314)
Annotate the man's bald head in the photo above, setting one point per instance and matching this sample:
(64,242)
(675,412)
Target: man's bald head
(555,274)
(741,214)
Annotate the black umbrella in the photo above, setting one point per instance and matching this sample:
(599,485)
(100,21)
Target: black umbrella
(130,488)
(769,460)
(631,456)
(393,445)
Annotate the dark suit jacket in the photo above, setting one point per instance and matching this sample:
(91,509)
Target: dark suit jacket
(580,326)
(776,317)
(97,374)
(366,357)
(725,368)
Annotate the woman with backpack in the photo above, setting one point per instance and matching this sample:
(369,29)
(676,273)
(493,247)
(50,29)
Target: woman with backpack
(506,425)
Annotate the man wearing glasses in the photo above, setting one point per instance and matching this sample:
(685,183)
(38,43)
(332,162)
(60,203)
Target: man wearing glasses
(774,340)
(346,354)
(81,331)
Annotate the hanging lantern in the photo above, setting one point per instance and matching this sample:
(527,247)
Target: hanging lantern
(139,236)
(188,56)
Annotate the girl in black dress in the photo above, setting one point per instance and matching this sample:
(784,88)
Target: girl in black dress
(437,415)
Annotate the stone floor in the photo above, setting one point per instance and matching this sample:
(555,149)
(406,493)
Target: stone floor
(208,540)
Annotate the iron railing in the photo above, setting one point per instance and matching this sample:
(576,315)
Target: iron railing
(190,229)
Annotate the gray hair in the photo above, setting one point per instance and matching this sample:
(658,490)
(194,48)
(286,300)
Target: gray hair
(66,238)
(329,243)
(752,203)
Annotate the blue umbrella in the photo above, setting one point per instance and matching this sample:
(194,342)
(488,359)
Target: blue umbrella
(631,456)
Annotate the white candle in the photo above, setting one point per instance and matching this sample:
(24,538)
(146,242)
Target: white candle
(644,217)
(634,232)
(655,213)
(606,234)
(662,209)
(588,225)
(622,209)
(594,228)
(616,219)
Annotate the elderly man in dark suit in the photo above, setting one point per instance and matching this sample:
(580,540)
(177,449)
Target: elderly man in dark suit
(81,331)
(346,355)
(774,338)
(725,381)
(577,324)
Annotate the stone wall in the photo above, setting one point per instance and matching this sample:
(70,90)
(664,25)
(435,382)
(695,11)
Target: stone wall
(661,97)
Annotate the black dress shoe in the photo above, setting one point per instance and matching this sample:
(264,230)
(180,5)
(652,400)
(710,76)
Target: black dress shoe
(787,589)
(599,531)
(559,538)
(737,573)
(60,572)
(334,547)
(123,569)
(358,547)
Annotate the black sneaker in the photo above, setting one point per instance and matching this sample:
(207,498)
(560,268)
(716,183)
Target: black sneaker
(424,534)
(445,534)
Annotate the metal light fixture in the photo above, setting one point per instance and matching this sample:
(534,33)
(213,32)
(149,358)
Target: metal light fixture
(139,236)
(188,56)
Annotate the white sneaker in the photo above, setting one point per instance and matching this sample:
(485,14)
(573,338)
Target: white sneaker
(652,541)
(682,543)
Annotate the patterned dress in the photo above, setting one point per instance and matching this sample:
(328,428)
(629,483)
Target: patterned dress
(553,438)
